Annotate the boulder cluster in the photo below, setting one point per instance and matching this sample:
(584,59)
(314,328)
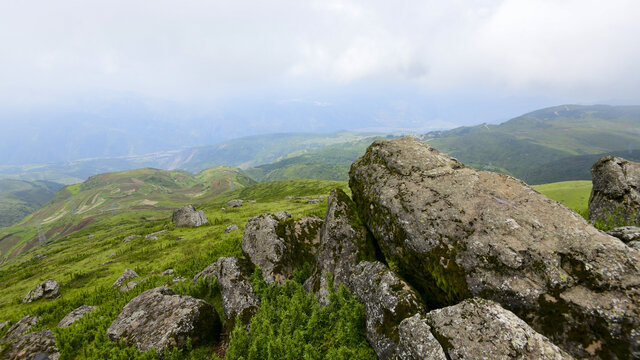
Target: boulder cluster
(616,191)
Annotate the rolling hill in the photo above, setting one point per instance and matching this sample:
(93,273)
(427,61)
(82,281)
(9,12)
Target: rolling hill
(20,198)
(141,193)
(553,144)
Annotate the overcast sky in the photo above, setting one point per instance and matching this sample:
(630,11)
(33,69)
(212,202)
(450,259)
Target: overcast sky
(211,54)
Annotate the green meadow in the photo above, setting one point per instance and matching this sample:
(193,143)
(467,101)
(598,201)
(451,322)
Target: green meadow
(572,194)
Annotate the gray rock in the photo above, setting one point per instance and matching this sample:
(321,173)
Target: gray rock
(75,315)
(454,233)
(188,216)
(626,233)
(230,228)
(47,290)
(22,326)
(616,190)
(130,237)
(416,342)
(238,297)
(3,325)
(280,245)
(178,279)
(158,318)
(252,201)
(234,203)
(127,275)
(343,243)
(154,236)
(130,285)
(634,244)
(37,345)
(282,215)
(112,255)
(314,201)
(168,272)
(482,329)
(107,263)
(387,301)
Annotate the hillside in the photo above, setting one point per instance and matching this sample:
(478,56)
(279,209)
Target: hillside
(548,145)
(147,193)
(20,198)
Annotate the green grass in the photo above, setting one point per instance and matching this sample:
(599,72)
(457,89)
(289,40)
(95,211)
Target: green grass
(572,194)
(75,261)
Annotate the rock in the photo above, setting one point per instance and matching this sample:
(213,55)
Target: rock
(75,315)
(107,263)
(278,245)
(626,233)
(282,215)
(482,329)
(289,198)
(3,325)
(454,233)
(387,301)
(343,243)
(252,201)
(416,342)
(48,290)
(22,326)
(616,190)
(238,297)
(313,201)
(126,276)
(188,216)
(634,244)
(90,236)
(234,203)
(178,279)
(112,255)
(40,345)
(154,236)
(230,228)
(168,272)
(130,237)
(130,285)
(158,318)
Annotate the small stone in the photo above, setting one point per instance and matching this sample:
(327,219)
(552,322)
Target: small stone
(75,315)
(130,237)
(234,203)
(188,216)
(130,285)
(230,228)
(127,275)
(168,272)
(48,290)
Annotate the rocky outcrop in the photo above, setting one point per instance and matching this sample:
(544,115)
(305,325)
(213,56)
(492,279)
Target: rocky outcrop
(454,233)
(127,275)
(615,195)
(343,243)
(158,318)
(416,341)
(482,329)
(278,244)
(234,203)
(188,216)
(626,233)
(238,298)
(75,315)
(387,301)
(47,290)
(36,345)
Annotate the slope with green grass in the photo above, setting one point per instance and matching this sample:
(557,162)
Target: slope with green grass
(86,266)
(20,198)
(105,195)
(563,138)
(572,194)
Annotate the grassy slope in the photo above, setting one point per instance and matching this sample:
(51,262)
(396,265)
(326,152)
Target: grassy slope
(75,262)
(20,198)
(560,136)
(77,206)
(572,194)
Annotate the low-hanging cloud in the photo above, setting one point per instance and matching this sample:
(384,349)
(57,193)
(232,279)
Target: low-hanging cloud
(198,50)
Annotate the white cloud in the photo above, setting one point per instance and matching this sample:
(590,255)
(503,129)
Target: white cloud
(207,49)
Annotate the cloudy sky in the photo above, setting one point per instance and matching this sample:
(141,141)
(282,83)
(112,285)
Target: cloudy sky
(352,64)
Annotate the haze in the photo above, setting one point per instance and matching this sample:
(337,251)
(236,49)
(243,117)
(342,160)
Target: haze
(109,78)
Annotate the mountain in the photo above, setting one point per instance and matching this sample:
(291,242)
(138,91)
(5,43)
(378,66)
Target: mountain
(553,144)
(20,198)
(142,192)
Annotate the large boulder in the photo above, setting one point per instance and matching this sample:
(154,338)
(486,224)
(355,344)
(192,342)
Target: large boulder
(482,329)
(615,195)
(387,300)
(238,298)
(75,315)
(188,216)
(454,233)
(416,341)
(278,244)
(159,318)
(35,345)
(343,243)
(47,290)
